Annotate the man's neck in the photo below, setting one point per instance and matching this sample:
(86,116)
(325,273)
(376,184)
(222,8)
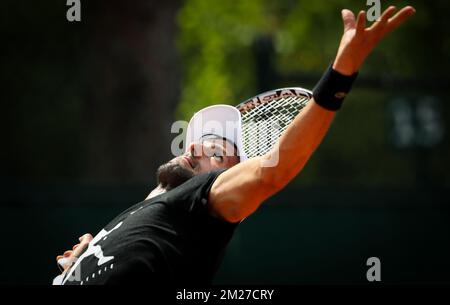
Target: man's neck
(156,191)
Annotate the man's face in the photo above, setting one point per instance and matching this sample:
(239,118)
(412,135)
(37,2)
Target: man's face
(205,156)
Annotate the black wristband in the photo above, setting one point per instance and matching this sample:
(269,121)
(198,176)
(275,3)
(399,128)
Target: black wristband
(332,88)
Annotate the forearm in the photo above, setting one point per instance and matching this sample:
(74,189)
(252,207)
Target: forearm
(310,126)
(298,143)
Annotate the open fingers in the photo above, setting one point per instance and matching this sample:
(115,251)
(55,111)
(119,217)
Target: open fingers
(381,23)
(387,13)
(400,17)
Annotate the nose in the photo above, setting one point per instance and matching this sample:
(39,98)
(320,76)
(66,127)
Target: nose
(196,150)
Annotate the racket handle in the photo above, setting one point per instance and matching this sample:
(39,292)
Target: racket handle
(64,261)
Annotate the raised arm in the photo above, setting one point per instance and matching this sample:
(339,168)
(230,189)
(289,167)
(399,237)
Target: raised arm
(240,190)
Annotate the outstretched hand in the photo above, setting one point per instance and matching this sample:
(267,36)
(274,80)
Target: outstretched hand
(358,41)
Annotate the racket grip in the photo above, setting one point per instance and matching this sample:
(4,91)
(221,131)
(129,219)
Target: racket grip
(64,261)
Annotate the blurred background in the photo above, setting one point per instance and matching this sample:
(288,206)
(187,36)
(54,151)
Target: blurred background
(87,109)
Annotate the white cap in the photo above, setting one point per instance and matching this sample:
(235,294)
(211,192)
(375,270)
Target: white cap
(220,120)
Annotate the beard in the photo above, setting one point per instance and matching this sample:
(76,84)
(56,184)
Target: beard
(172,174)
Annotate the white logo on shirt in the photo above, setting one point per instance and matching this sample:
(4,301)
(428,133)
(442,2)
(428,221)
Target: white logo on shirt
(94,249)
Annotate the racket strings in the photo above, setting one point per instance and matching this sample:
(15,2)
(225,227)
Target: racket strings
(262,126)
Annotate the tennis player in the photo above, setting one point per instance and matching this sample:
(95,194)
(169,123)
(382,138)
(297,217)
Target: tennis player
(180,232)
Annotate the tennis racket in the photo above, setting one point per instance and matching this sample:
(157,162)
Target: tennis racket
(267,115)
